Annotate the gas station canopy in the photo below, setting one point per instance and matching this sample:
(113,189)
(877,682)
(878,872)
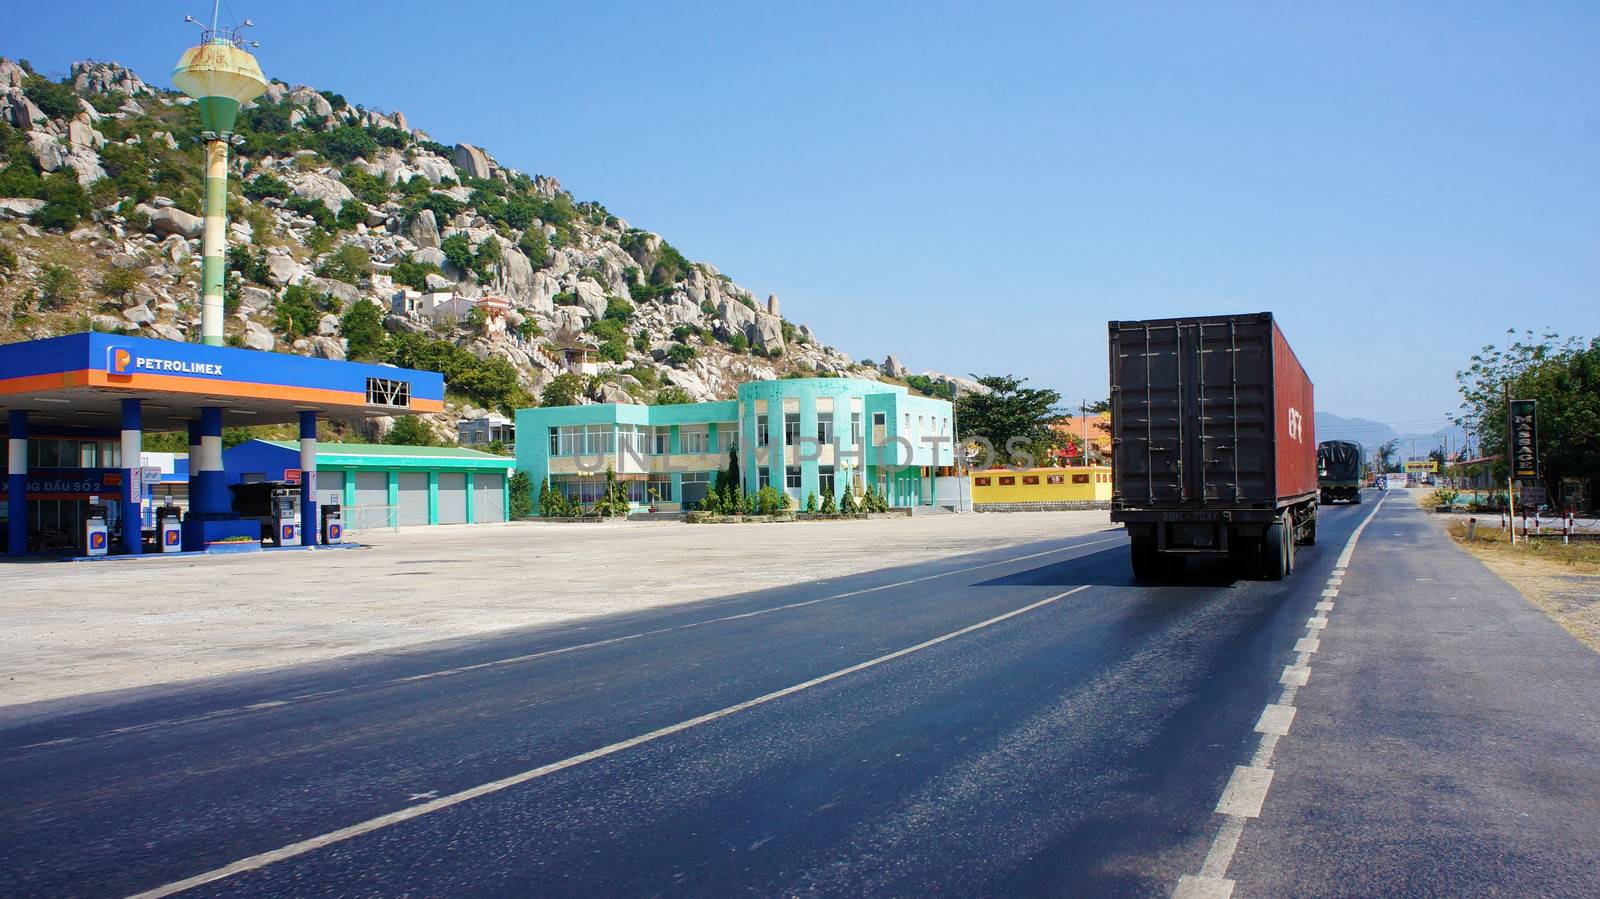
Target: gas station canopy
(82,379)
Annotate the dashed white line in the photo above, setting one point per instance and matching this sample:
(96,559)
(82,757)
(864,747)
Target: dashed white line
(1295,675)
(1275,719)
(1246,791)
(263,859)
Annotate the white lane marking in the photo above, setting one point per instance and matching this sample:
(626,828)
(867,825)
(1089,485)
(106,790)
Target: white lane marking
(1192,887)
(1324,607)
(1264,750)
(1275,719)
(1331,592)
(1316,622)
(535,656)
(263,859)
(1245,792)
(1210,882)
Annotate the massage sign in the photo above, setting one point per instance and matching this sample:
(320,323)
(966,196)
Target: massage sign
(1524,440)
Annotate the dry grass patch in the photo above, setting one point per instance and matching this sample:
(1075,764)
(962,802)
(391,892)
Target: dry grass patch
(1562,580)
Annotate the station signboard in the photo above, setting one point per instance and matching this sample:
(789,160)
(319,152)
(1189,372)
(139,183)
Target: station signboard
(1525,439)
(1423,467)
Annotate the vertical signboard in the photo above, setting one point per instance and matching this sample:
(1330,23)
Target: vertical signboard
(1524,440)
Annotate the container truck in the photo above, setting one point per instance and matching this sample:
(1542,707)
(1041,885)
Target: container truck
(1213,443)
(1339,471)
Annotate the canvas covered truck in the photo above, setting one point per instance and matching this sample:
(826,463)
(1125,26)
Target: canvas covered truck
(1339,471)
(1213,443)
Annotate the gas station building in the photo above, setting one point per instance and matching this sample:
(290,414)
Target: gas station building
(76,408)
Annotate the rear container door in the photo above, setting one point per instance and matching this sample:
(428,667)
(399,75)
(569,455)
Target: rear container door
(1193,412)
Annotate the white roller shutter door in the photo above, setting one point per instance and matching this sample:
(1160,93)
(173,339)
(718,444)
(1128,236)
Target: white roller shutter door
(452,497)
(488,498)
(413,498)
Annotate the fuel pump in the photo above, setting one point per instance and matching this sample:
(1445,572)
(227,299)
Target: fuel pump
(332,525)
(169,529)
(96,536)
(286,516)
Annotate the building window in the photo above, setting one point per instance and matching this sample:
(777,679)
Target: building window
(598,440)
(695,485)
(761,431)
(980,482)
(825,428)
(662,488)
(764,473)
(1055,479)
(661,443)
(691,440)
(880,429)
(632,439)
(1030,479)
(791,429)
(388,392)
(1008,482)
(727,435)
(791,477)
(855,429)
(825,480)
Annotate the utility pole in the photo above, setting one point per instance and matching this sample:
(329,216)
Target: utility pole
(1511,486)
(1083,411)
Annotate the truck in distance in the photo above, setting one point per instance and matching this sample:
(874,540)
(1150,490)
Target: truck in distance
(1339,471)
(1213,443)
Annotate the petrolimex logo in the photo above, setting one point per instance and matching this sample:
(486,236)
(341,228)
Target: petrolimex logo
(121,360)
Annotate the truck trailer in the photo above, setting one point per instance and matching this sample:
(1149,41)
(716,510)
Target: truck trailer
(1213,443)
(1339,470)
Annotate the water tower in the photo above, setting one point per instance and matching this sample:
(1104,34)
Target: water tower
(221,76)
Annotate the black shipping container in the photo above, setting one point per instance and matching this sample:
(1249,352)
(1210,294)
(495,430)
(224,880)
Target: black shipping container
(1214,451)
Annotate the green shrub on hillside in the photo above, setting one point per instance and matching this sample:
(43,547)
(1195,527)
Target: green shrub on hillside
(299,310)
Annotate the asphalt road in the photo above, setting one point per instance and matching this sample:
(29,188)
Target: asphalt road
(1018,722)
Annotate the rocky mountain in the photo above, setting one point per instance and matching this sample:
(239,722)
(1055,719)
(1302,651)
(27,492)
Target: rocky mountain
(354,234)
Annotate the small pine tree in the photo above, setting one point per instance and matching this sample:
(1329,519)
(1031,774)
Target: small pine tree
(829,506)
(811,502)
(752,503)
(767,500)
(785,502)
(545,507)
(848,504)
(738,505)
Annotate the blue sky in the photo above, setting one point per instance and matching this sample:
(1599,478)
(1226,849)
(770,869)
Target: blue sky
(979,187)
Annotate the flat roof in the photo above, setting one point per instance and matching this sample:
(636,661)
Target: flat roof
(82,379)
(356,455)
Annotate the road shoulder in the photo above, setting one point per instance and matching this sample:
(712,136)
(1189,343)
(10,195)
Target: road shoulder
(1447,741)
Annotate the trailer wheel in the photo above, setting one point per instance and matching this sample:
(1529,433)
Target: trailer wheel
(1311,533)
(1355,496)
(1275,545)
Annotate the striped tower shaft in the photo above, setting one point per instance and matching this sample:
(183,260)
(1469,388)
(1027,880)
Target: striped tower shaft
(212,500)
(215,246)
(132,488)
(17,482)
(308,479)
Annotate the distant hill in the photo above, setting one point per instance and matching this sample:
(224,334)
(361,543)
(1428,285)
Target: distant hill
(1371,433)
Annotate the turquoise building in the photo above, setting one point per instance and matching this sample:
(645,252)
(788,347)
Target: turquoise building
(799,436)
